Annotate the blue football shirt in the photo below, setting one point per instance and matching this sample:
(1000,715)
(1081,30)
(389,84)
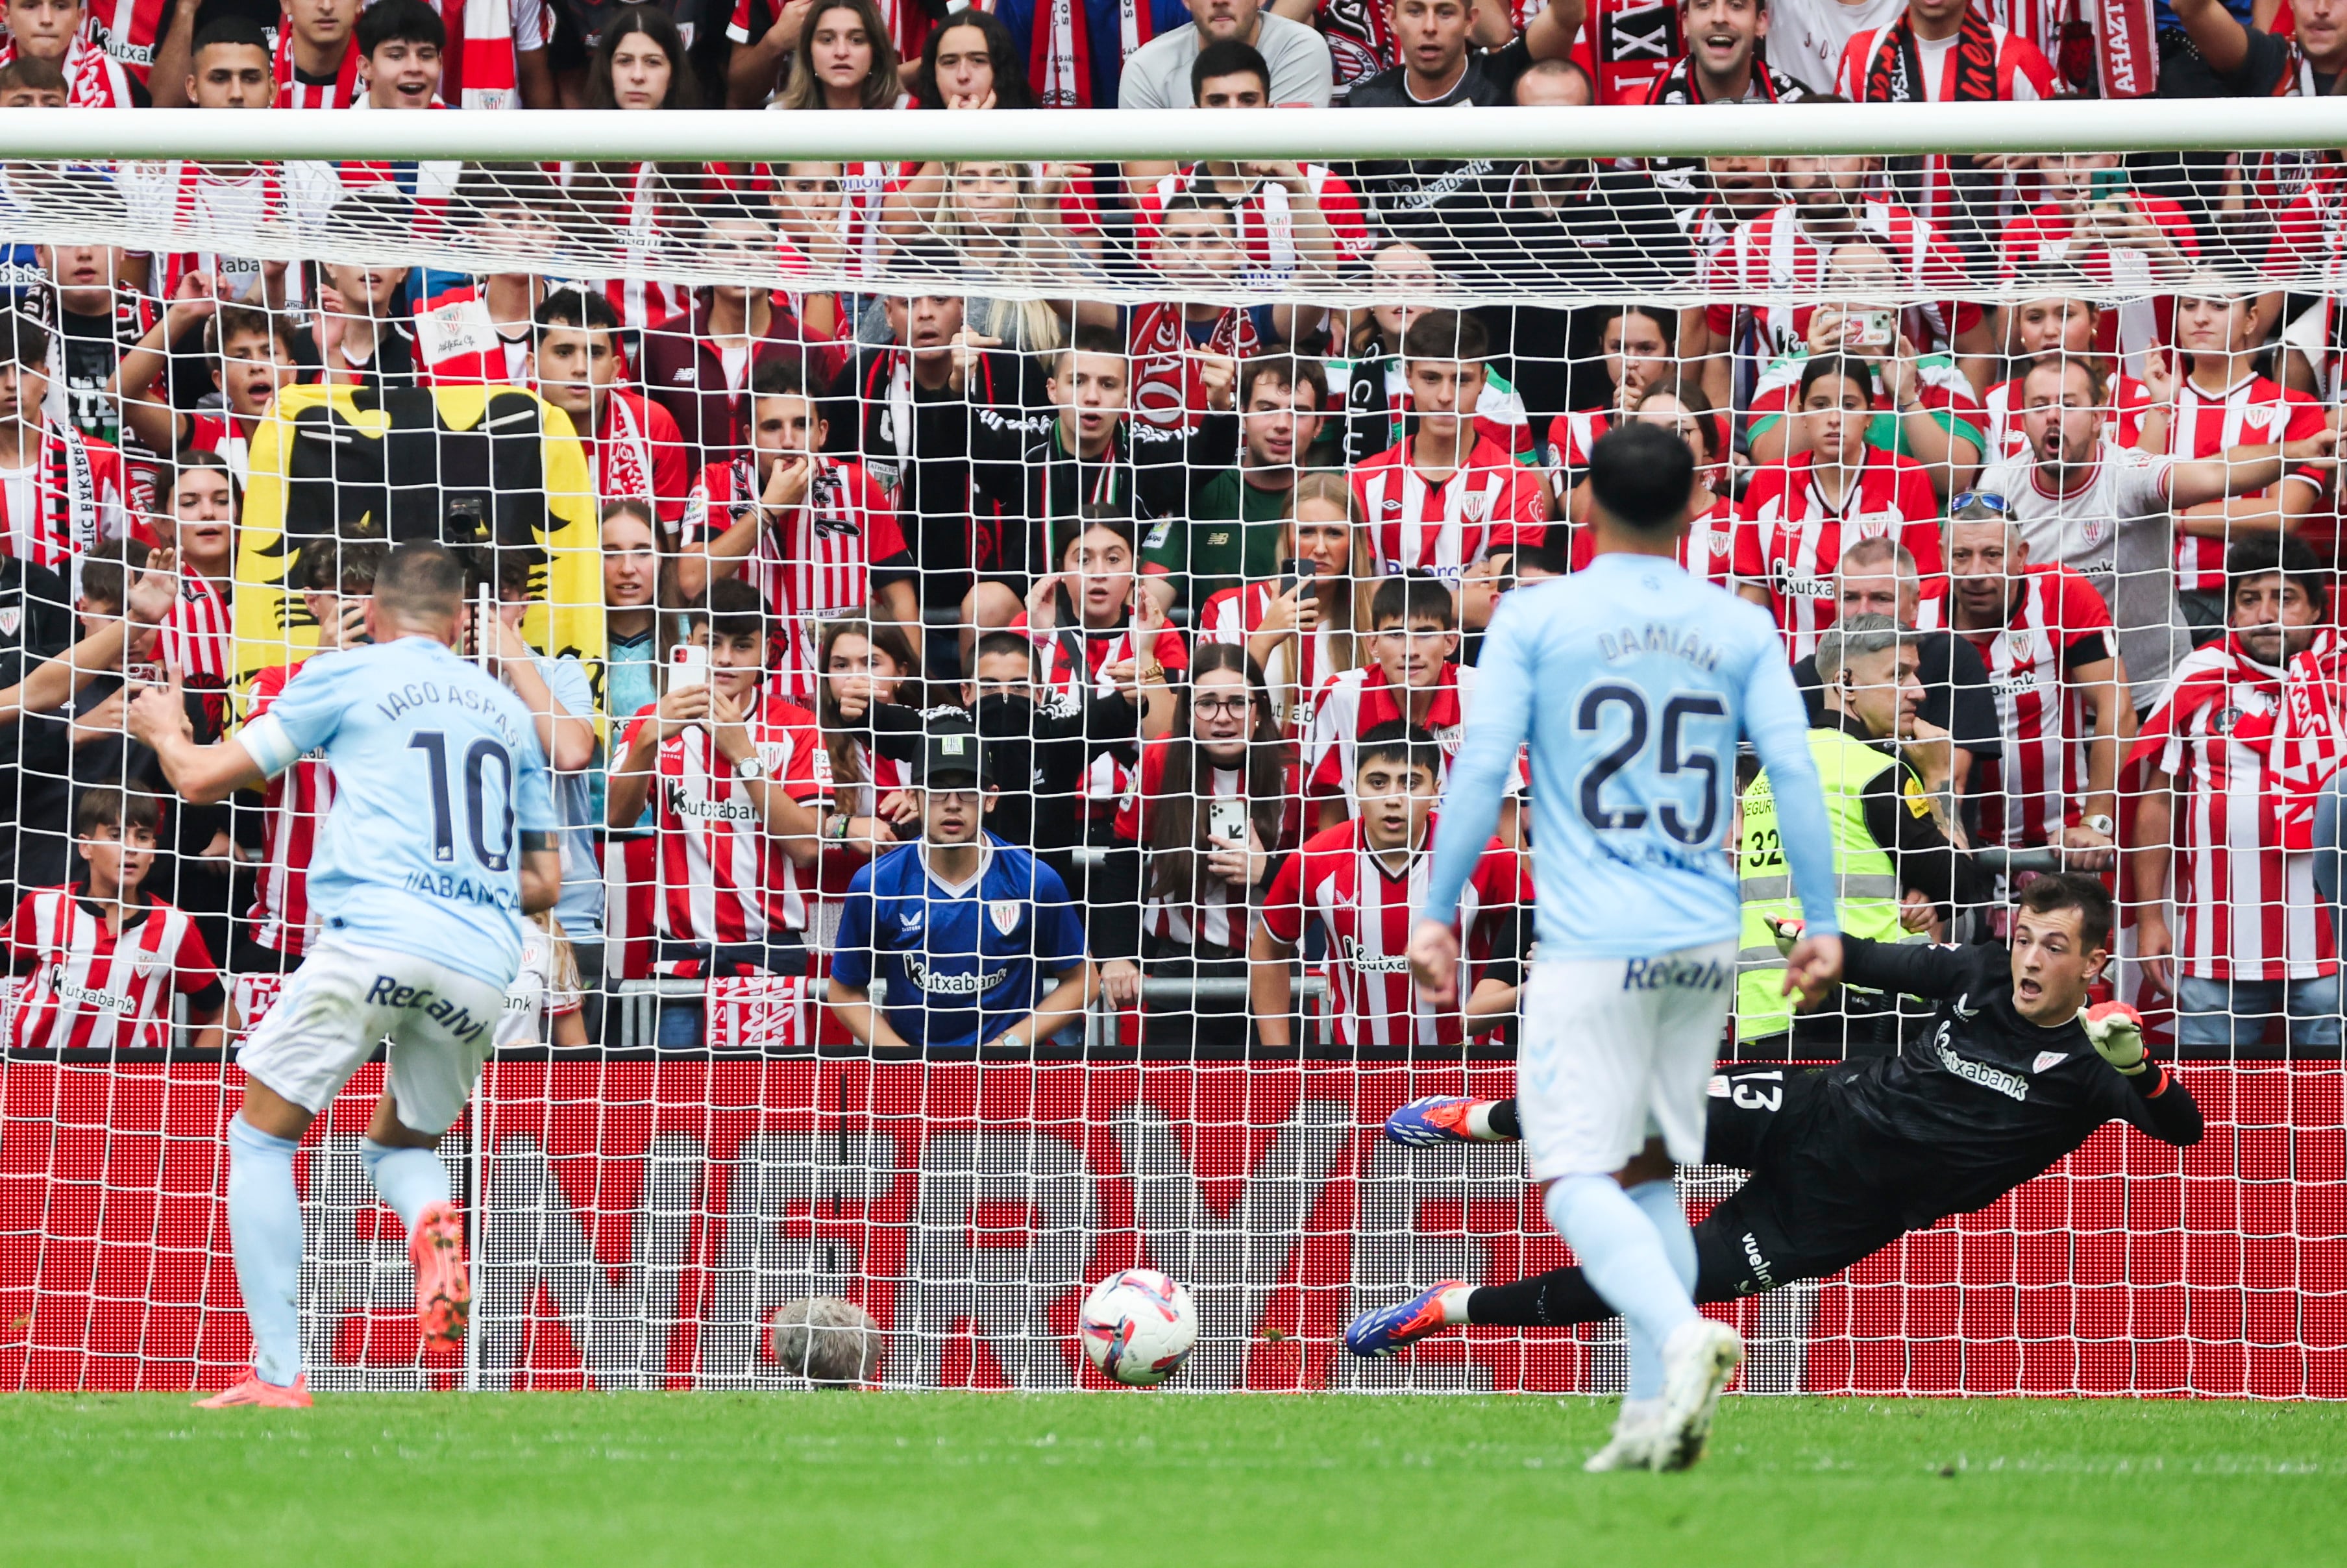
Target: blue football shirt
(1631,683)
(962,963)
(438,773)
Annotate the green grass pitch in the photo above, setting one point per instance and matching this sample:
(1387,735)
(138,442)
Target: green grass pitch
(962,1479)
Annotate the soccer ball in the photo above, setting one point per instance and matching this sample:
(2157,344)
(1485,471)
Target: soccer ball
(1137,1326)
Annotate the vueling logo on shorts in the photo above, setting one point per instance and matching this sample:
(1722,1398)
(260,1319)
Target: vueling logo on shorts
(456,1019)
(1674,974)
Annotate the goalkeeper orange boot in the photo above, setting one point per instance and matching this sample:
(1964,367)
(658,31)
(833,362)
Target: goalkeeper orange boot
(269,1395)
(443,1295)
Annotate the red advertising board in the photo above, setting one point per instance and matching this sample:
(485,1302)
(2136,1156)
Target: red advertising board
(636,1220)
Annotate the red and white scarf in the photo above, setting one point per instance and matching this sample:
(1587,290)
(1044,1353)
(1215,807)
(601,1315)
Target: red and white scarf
(292,93)
(68,524)
(477,71)
(623,452)
(94,78)
(1167,388)
(1060,58)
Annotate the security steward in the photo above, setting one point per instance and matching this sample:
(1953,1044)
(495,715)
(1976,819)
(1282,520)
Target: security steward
(1897,856)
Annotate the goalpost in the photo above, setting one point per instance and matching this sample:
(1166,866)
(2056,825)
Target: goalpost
(641,1206)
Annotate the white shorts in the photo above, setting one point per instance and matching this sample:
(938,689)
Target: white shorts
(346,999)
(1616,1050)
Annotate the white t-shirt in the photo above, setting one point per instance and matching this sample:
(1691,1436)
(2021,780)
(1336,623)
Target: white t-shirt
(1806,37)
(2120,531)
(534,998)
(1158,75)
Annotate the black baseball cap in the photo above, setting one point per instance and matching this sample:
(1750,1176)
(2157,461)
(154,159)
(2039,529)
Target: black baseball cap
(950,751)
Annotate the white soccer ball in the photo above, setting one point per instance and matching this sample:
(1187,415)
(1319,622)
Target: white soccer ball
(1137,1326)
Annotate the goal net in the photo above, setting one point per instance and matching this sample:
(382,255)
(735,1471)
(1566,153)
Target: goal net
(1146,484)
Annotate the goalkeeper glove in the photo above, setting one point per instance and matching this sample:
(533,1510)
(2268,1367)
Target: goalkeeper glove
(2115,1031)
(1785,930)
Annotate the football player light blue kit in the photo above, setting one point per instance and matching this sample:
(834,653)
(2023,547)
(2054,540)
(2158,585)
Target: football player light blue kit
(416,877)
(962,963)
(1631,682)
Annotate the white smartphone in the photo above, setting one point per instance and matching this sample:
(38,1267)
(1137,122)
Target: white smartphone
(1226,819)
(688,666)
(1871,330)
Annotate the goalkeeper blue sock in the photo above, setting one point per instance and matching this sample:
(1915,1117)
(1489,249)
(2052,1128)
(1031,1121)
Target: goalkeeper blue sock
(1659,1202)
(264,1225)
(1624,1257)
(410,1180)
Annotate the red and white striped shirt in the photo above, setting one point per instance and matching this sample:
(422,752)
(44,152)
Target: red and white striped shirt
(1790,538)
(1367,911)
(1774,255)
(2130,400)
(197,636)
(1218,915)
(1707,549)
(2059,625)
(91,988)
(294,807)
(2247,906)
(1235,614)
(1356,702)
(2253,411)
(640,203)
(811,564)
(1489,503)
(720,879)
(1266,216)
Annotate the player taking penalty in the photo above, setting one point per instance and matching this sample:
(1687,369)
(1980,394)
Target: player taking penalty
(440,839)
(1631,683)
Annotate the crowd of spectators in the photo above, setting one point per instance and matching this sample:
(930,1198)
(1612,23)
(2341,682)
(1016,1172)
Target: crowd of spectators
(989,649)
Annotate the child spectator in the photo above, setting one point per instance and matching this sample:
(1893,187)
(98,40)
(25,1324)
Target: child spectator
(977,940)
(1361,881)
(57,31)
(251,353)
(1444,496)
(100,957)
(741,776)
(1410,678)
(800,525)
(1798,517)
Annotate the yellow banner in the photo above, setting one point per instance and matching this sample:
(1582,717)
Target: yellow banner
(400,468)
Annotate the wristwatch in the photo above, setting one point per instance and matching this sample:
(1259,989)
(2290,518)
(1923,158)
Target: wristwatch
(2102,824)
(750,767)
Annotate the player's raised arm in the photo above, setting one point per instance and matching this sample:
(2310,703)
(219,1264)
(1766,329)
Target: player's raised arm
(1777,723)
(1470,807)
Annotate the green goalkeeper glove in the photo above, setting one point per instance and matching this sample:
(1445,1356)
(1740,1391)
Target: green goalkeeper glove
(2115,1031)
(1785,930)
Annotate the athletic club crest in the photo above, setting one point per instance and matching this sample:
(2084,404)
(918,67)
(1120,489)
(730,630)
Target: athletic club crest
(2021,643)
(11,619)
(1004,913)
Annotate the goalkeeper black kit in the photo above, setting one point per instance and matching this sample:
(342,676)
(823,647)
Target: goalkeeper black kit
(1847,1159)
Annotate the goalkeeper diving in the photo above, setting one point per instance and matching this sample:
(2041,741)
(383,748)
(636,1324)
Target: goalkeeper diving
(1846,1159)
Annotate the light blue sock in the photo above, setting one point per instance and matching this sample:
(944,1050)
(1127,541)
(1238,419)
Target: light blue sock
(410,1180)
(1627,1262)
(264,1225)
(1659,1202)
